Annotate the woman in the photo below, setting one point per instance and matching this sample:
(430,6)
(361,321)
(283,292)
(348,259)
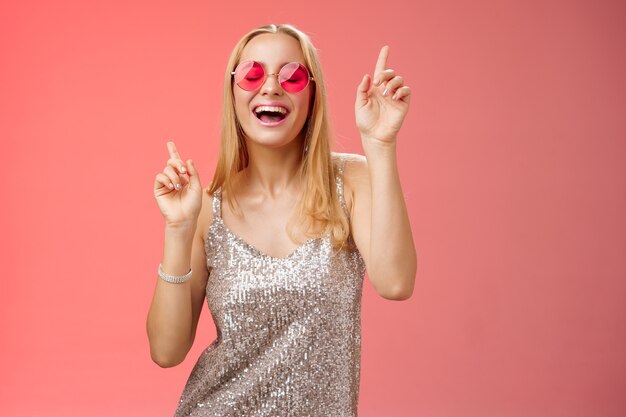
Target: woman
(279,243)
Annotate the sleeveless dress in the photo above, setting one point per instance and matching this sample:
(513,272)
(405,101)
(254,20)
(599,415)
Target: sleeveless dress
(288,329)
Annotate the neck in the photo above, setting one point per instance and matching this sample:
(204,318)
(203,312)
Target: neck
(272,171)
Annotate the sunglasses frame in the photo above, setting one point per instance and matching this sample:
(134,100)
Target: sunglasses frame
(265,75)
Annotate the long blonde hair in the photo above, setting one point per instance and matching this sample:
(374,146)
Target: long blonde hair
(319,202)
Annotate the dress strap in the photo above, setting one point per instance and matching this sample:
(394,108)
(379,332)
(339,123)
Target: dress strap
(339,183)
(217,203)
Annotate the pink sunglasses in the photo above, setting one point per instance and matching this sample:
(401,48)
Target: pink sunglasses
(293,77)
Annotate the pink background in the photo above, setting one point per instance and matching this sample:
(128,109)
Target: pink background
(512,160)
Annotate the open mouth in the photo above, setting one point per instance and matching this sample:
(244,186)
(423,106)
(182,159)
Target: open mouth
(270,114)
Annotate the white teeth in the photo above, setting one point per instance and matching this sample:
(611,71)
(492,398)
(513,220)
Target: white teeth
(270,108)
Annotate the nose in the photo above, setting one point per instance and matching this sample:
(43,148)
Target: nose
(271,85)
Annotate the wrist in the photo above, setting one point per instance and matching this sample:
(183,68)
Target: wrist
(376,147)
(180,230)
(174,279)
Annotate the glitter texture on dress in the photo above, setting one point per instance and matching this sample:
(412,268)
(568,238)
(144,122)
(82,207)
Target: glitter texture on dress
(288,329)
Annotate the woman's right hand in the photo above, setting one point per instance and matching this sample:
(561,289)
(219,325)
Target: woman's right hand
(178,191)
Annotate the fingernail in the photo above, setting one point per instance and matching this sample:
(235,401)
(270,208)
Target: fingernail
(178,186)
(170,185)
(182,169)
(385,92)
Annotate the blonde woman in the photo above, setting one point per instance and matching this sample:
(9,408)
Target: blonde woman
(279,243)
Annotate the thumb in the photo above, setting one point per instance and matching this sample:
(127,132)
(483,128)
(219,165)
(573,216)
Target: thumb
(194,178)
(361,93)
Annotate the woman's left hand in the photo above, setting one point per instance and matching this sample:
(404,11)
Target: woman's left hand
(380,110)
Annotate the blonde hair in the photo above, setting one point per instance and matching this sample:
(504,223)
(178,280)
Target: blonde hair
(319,202)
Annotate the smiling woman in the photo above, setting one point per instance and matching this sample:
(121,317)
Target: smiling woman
(262,80)
(279,243)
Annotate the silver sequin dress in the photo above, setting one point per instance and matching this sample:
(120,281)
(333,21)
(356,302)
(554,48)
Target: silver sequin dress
(288,329)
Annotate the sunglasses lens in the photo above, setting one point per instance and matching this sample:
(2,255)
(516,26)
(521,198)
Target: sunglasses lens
(293,77)
(249,75)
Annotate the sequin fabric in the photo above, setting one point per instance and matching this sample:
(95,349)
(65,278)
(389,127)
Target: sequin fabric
(288,329)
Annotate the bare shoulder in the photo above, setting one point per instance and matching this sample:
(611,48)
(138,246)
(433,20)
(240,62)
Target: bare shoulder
(355,168)
(355,175)
(354,162)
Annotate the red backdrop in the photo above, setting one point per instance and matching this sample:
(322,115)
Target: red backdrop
(512,160)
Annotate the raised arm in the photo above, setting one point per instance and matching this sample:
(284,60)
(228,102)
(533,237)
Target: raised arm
(175,308)
(379,217)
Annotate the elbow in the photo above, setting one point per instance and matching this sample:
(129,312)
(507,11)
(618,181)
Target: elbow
(167,353)
(403,294)
(396,281)
(166,361)
(167,356)
(399,289)
(397,294)
(405,291)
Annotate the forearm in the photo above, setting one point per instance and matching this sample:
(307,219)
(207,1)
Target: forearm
(170,316)
(393,261)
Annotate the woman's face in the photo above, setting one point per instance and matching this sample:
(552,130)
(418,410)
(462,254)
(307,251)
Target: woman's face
(272,51)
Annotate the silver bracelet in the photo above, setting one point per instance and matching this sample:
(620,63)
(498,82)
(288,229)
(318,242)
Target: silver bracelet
(174,279)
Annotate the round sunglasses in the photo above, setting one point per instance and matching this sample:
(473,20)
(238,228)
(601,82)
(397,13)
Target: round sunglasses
(292,77)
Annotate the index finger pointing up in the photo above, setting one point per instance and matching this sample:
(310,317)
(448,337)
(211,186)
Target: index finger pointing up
(381,64)
(171,147)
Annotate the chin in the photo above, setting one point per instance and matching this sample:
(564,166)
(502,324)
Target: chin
(272,141)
